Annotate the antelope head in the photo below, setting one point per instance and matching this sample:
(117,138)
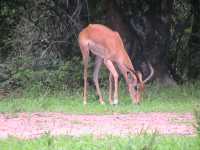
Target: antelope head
(136,84)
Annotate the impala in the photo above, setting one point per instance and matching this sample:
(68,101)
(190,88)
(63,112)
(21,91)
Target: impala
(108,48)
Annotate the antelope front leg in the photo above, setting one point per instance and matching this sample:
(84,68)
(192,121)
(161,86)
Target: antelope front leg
(85,85)
(115,75)
(85,54)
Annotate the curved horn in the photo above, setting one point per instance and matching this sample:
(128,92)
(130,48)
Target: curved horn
(151,73)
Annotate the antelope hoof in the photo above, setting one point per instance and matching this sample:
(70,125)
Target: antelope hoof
(111,102)
(136,103)
(115,102)
(102,102)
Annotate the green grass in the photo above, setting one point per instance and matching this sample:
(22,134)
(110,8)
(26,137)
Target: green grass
(155,99)
(142,142)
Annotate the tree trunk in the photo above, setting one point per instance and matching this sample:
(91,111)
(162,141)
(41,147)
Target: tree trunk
(157,40)
(146,36)
(194,43)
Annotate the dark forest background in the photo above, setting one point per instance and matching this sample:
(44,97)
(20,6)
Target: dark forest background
(38,39)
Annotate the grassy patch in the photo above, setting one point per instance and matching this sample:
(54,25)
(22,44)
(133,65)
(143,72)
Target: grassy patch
(155,99)
(142,142)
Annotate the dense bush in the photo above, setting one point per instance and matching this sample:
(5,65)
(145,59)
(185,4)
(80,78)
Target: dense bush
(57,76)
(62,76)
(45,32)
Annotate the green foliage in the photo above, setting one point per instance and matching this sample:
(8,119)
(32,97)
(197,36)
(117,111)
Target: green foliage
(9,14)
(50,29)
(66,75)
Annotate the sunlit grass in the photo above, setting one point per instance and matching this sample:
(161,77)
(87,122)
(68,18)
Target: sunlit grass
(142,142)
(155,99)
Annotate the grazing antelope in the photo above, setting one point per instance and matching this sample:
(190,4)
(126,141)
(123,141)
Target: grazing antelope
(109,49)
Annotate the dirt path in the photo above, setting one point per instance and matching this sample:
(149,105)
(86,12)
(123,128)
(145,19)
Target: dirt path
(32,125)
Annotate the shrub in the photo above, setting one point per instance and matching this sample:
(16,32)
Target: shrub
(61,76)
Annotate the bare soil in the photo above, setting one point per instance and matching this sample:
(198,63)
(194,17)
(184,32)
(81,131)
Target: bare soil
(33,125)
